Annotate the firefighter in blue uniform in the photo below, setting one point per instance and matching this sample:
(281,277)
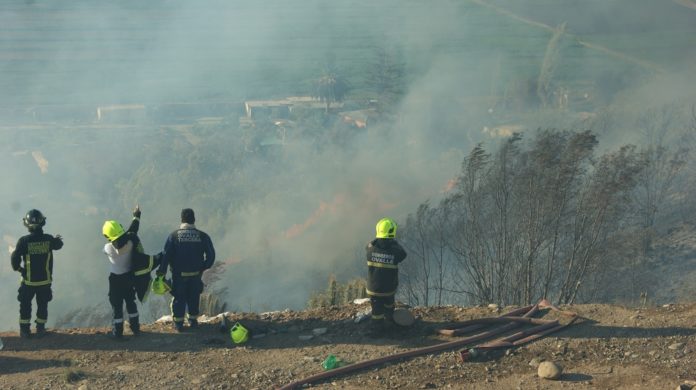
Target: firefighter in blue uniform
(384,254)
(189,252)
(35,251)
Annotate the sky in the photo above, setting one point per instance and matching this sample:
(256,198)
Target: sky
(59,62)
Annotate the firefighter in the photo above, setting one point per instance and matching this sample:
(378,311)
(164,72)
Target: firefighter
(189,251)
(35,251)
(384,254)
(130,271)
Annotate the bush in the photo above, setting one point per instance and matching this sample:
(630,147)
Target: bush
(337,293)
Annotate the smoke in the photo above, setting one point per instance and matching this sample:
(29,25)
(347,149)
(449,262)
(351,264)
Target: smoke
(293,217)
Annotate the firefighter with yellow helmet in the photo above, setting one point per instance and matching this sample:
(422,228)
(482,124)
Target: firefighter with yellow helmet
(384,254)
(130,271)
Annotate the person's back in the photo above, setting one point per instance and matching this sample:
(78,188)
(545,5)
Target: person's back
(383,255)
(189,251)
(33,258)
(383,258)
(120,250)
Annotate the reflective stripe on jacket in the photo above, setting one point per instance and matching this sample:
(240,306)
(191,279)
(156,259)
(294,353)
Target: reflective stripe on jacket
(36,251)
(383,258)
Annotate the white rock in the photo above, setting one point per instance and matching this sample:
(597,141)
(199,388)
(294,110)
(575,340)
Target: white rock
(549,370)
(305,337)
(676,346)
(363,315)
(164,319)
(360,301)
(493,306)
(319,331)
(403,317)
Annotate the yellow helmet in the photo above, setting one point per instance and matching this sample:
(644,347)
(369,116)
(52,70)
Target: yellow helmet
(239,333)
(160,286)
(386,228)
(112,230)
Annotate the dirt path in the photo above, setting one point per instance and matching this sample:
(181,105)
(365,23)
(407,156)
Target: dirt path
(616,347)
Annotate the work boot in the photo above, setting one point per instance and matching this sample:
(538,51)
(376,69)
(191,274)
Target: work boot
(193,324)
(24,331)
(134,325)
(117,330)
(40,330)
(179,326)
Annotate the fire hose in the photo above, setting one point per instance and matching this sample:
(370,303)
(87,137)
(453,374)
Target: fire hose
(510,320)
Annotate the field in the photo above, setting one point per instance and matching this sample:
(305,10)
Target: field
(171,51)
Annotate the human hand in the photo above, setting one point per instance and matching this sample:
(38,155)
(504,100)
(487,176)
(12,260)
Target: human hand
(136,211)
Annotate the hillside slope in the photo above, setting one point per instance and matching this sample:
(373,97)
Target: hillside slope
(612,347)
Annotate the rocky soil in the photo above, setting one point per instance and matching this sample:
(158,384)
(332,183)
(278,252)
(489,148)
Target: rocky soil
(612,347)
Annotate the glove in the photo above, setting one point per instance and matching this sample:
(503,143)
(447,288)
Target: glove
(136,212)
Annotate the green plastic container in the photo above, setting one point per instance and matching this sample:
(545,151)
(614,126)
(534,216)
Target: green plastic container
(330,363)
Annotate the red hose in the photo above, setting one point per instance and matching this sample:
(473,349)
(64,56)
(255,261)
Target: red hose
(531,310)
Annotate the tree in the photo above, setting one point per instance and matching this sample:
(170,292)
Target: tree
(330,88)
(601,208)
(663,163)
(530,220)
(424,238)
(386,75)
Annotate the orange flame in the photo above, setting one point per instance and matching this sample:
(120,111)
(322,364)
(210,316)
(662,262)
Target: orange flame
(451,184)
(332,207)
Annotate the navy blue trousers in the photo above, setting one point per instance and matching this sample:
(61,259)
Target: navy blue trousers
(187,294)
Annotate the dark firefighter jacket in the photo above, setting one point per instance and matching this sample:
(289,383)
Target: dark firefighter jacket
(383,258)
(142,264)
(189,251)
(36,250)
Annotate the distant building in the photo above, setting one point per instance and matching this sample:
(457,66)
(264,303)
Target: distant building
(281,108)
(267,109)
(123,114)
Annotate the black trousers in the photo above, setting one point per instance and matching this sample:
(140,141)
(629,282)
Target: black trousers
(187,295)
(382,308)
(25,295)
(121,290)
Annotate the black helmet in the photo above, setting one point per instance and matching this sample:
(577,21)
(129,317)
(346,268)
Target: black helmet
(34,219)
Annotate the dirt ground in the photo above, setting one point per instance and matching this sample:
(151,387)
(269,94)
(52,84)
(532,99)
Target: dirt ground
(612,347)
